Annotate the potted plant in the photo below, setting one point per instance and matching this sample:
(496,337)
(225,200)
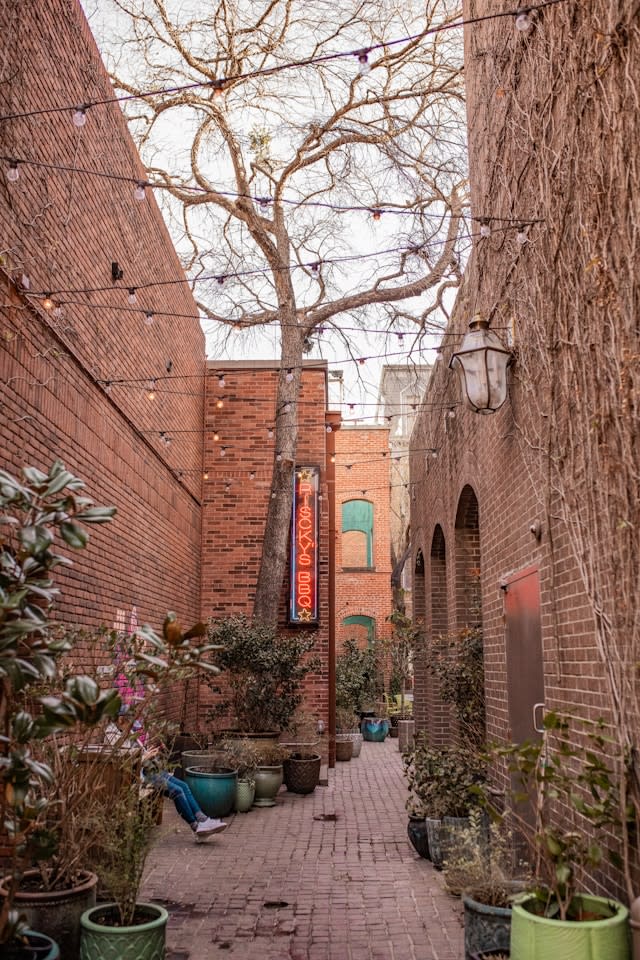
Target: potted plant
(264,671)
(346,726)
(573,786)
(446,782)
(301,769)
(269,774)
(33,513)
(405,643)
(482,870)
(417,827)
(242,754)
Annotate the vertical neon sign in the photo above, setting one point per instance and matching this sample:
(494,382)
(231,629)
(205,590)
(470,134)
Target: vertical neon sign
(303,599)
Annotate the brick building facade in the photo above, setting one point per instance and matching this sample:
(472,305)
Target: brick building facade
(363,552)
(76,379)
(534,503)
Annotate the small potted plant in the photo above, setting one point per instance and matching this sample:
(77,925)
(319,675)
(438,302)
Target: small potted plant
(573,786)
(269,774)
(242,755)
(346,726)
(302,767)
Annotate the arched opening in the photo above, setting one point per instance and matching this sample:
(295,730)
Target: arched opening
(420,672)
(357,534)
(361,628)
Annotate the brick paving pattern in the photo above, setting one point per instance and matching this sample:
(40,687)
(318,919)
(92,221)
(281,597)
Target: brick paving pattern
(329,876)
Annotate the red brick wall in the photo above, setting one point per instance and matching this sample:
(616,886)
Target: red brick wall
(235,506)
(63,229)
(362,473)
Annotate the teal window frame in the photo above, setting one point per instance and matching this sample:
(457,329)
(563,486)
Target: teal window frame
(362,621)
(358,515)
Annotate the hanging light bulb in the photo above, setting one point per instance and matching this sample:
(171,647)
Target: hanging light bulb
(227,487)
(223,451)
(315,268)
(485,228)
(221,379)
(205,476)
(273,494)
(151,392)
(79,116)
(132,298)
(329,428)
(221,279)
(270,433)
(263,203)
(47,303)
(523,21)
(364,67)
(13,173)
(286,408)
(362,361)
(149,318)
(216,435)
(140,191)
(107,387)
(252,475)
(289,375)
(278,457)
(333,458)
(376,214)
(220,403)
(521,235)
(400,337)
(218,87)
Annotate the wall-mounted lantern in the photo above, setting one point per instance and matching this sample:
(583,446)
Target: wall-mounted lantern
(482,363)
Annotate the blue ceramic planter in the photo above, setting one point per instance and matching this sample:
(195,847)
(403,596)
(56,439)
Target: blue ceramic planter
(215,792)
(374,729)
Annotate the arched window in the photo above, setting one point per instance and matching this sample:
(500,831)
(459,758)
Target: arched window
(366,628)
(357,534)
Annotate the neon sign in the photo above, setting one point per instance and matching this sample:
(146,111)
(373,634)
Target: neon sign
(303,599)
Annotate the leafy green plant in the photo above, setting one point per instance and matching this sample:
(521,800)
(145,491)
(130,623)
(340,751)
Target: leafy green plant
(241,754)
(456,662)
(34,512)
(405,643)
(264,672)
(571,784)
(346,720)
(443,781)
(358,676)
(483,862)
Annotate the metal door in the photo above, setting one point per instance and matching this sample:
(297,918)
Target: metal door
(525,675)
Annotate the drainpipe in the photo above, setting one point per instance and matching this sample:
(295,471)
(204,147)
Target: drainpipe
(333,420)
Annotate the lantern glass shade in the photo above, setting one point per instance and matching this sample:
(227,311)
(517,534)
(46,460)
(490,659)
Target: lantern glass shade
(481,363)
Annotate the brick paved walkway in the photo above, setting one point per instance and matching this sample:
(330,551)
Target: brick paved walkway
(347,889)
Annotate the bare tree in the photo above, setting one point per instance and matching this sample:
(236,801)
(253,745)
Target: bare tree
(269,156)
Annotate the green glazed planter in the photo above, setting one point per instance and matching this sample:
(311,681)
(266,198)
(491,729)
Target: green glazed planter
(215,791)
(146,941)
(245,794)
(40,947)
(540,938)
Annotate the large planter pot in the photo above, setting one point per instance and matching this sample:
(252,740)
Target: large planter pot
(489,954)
(145,941)
(356,744)
(302,774)
(268,782)
(417,833)
(214,791)
(486,929)
(374,729)
(406,733)
(434,836)
(452,837)
(56,913)
(184,742)
(540,938)
(207,759)
(344,747)
(393,727)
(38,947)
(245,795)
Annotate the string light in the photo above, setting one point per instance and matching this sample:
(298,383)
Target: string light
(523,20)
(140,191)
(221,380)
(376,214)
(363,60)
(485,228)
(223,451)
(220,403)
(221,279)
(79,117)
(270,433)
(332,458)
(252,475)
(263,203)
(205,476)
(289,375)
(227,487)
(132,298)
(315,268)
(13,173)
(107,387)
(521,236)
(218,87)
(151,392)
(278,457)
(149,318)
(286,408)
(216,435)
(47,303)
(329,428)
